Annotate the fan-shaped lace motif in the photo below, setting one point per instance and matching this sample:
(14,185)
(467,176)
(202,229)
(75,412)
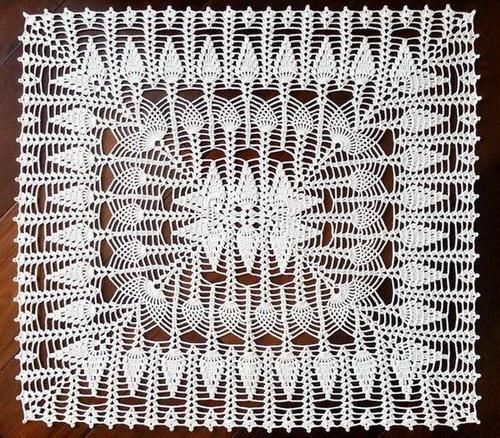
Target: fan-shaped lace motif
(287,233)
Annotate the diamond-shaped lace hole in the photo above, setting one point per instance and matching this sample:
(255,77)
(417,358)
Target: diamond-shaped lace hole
(267,93)
(339,337)
(108,289)
(386,142)
(385,291)
(192,337)
(387,254)
(156,334)
(268,340)
(105,252)
(248,279)
(247,154)
(106,177)
(304,96)
(340,97)
(190,95)
(388,217)
(304,339)
(104,215)
(108,140)
(231,339)
(155,95)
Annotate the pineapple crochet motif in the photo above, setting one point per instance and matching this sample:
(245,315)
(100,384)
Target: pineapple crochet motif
(290,205)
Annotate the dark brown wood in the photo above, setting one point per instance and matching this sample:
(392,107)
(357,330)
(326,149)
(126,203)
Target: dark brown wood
(8,308)
(487,25)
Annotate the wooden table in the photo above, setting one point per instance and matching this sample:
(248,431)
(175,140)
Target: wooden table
(487,25)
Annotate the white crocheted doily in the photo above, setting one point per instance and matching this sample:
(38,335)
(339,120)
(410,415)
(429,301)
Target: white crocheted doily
(248,218)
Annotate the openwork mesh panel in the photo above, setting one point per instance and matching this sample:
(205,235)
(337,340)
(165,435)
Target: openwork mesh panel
(239,218)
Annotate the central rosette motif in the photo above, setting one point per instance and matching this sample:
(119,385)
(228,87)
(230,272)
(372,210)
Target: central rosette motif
(252,213)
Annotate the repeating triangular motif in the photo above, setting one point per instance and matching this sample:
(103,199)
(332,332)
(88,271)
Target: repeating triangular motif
(248,218)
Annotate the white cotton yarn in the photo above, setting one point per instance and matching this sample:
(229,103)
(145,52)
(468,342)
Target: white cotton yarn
(296,187)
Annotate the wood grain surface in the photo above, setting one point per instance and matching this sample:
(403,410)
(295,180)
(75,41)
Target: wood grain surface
(487,25)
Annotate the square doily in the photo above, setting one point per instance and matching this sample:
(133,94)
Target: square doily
(248,218)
